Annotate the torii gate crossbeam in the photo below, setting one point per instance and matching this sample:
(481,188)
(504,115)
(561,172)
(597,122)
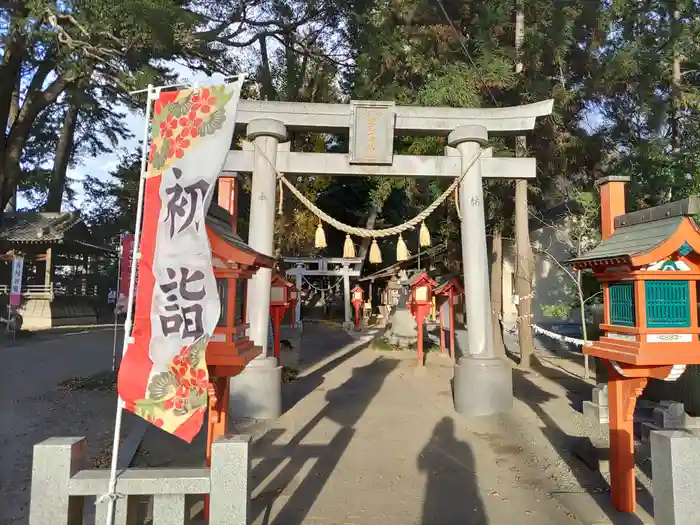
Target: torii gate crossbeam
(482,379)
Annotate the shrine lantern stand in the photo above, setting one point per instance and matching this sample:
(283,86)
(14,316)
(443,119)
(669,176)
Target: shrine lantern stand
(649,269)
(229,349)
(358,299)
(280,299)
(293,300)
(421,299)
(446,292)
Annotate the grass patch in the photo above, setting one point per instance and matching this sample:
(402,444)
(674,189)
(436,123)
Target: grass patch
(100,382)
(382,345)
(289,374)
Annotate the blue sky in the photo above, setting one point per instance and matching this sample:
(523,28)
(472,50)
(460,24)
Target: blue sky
(100,167)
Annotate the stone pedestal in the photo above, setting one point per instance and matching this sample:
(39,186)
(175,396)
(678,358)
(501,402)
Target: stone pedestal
(483,387)
(256,392)
(675,459)
(403,331)
(596,410)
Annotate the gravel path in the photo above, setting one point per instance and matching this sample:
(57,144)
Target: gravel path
(33,407)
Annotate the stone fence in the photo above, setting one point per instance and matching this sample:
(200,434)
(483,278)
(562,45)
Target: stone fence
(60,485)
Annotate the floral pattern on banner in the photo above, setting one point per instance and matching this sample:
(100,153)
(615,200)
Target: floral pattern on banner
(174,396)
(180,118)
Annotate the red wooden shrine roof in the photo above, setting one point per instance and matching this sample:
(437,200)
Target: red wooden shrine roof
(418,277)
(445,282)
(228,246)
(647,235)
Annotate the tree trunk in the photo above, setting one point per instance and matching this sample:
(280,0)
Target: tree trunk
(364,245)
(268,89)
(676,103)
(497,290)
(524,270)
(64,152)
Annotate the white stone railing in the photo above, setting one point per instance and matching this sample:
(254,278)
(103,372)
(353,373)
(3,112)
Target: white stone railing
(60,485)
(49,291)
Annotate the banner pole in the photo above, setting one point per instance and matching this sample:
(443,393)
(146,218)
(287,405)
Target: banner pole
(116,298)
(111,494)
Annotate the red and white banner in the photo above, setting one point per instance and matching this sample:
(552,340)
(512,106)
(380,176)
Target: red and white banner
(163,376)
(127,256)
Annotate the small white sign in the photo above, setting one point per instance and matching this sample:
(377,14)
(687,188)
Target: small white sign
(669,338)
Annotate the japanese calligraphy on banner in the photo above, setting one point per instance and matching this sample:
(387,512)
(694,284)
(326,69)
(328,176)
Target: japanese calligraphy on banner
(16,289)
(163,376)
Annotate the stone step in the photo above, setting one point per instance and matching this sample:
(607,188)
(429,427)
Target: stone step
(595,413)
(594,452)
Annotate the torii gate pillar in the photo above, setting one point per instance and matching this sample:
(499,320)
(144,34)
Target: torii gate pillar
(257,391)
(483,380)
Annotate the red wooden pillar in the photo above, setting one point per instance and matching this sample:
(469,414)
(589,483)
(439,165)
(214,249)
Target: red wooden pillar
(442,332)
(452,324)
(622,399)
(419,322)
(218,420)
(277,316)
(228,198)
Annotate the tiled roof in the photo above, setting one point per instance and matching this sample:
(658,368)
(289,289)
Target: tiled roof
(641,231)
(219,220)
(626,242)
(37,227)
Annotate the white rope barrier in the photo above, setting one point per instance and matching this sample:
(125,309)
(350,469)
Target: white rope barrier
(559,337)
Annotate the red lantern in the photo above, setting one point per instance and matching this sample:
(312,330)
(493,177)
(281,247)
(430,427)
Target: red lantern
(280,291)
(358,297)
(293,300)
(421,302)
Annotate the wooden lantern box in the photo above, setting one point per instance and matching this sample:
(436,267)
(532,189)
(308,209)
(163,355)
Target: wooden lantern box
(230,349)
(649,269)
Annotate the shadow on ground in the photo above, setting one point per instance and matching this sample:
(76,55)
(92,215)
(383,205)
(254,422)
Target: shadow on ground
(344,406)
(535,397)
(320,342)
(451,490)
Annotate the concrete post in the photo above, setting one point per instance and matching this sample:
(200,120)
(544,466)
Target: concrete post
(483,382)
(55,461)
(348,324)
(230,481)
(675,463)
(256,393)
(297,308)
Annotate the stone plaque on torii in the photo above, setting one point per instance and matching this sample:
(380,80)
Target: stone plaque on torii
(322,267)
(483,379)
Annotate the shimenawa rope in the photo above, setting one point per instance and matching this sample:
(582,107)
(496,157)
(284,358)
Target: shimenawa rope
(365,232)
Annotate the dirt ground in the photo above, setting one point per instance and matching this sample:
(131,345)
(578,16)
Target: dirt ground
(366,437)
(35,406)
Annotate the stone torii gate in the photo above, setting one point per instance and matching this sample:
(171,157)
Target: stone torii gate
(482,378)
(324,266)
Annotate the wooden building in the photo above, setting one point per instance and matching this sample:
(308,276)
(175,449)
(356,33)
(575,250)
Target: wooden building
(61,268)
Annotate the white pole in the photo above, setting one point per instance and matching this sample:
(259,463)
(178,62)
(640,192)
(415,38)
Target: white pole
(116,298)
(111,491)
